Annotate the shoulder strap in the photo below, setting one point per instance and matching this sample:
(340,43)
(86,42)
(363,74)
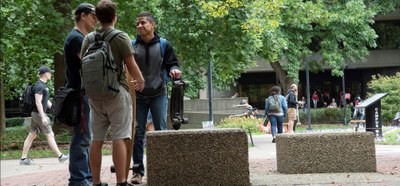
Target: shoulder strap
(110,35)
(163,46)
(133,42)
(91,37)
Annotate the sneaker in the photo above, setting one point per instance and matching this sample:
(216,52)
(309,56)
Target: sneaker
(63,158)
(101,184)
(26,161)
(136,179)
(273,140)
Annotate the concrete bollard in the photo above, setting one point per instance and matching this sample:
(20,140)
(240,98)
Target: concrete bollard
(198,157)
(326,153)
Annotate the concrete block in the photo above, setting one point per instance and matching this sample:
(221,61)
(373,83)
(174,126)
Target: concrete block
(326,153)
(198,157)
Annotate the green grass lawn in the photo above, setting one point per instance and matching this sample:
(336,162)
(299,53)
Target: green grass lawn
(12,141)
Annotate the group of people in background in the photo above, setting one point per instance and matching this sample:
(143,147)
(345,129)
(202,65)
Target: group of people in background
(142,60)
(290,105)
(324,100)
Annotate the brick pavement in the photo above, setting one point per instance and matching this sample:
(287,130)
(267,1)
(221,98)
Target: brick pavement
(386,164)
(262,169)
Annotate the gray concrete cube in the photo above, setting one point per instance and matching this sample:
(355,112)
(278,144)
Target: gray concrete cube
(326,152)
(198,157)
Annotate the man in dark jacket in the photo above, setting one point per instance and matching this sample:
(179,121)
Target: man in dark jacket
(152,63)
(292,105)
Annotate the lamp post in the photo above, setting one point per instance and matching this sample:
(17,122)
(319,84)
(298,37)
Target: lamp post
(209,92)
(344,98)
(308,59)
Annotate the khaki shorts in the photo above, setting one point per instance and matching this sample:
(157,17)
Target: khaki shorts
(114,113)
(292,114)
(37,125)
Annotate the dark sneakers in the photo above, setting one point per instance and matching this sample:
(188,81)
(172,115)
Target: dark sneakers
(101,184)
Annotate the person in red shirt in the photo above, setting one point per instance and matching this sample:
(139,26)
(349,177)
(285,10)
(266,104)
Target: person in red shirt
(315,98)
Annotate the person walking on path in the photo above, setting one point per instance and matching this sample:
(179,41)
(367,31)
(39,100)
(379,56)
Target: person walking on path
(115,112)
(85,20)
(148,54)
(276,110)
(40,121)
(292,105)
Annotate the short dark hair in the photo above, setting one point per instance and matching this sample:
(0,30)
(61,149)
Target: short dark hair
(275,90)
(106,11)
(149,16)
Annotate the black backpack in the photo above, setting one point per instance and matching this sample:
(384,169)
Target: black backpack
(67,106)
(27,100)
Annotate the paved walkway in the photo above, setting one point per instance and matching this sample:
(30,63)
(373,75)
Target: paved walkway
(48,171)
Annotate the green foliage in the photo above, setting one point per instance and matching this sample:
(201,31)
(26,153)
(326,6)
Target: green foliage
(325,116)
(32,32)
(228,33)
(390,103)
(322,127)
(241,122)
(13,122)
(391,136)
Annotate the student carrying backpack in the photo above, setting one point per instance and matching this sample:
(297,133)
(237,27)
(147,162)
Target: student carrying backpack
(274,104)
(99,73)
(275,110)
(27,100)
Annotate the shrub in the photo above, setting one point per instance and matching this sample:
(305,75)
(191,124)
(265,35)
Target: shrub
(241,122)
(325,115)
(13,122)
(390,103)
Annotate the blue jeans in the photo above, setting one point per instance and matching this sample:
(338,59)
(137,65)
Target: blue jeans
(158,110)
(276,122)
(163,124)
(79,151)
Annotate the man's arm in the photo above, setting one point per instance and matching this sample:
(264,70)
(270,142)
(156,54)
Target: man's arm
(134,71)
(171,62)
(39,107)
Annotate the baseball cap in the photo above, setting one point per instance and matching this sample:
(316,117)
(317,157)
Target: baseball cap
(44,69)
(84,8)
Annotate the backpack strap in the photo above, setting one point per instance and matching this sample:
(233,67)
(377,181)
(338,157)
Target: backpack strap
(163,47)
(91,37)
(110,35)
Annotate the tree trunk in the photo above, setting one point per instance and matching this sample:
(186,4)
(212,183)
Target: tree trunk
(2,105)
(64,7)
(284,80)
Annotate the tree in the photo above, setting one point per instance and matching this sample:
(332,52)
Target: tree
(29,40)
(338,31)
(207,31)
(390,85)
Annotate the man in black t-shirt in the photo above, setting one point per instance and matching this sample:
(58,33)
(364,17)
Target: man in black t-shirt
(40,121)
(85,20)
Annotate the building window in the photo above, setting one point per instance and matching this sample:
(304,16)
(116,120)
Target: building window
(388,34)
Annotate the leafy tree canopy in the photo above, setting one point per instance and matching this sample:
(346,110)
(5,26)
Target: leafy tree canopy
(228,33)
